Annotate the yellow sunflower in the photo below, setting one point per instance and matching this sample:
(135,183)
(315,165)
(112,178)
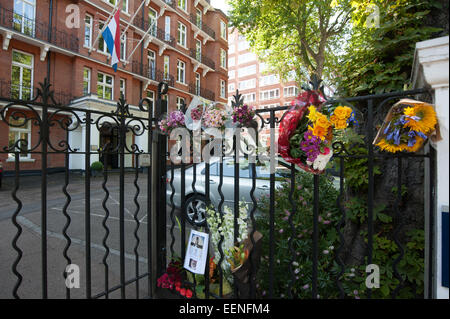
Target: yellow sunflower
(391,148)
(417,146)
(313,114)
(421,118)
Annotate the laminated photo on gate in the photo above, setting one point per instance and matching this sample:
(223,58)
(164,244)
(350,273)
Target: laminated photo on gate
(197,252)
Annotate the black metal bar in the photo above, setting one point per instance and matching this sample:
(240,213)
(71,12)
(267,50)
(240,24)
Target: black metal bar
(87,203)
(208,202)
(105,219)
(315,237)
(222,200)
(122,142)
(68,220)
(371,187)
(136,219)
(16,224)
(252,272)
(44,136)
(399,225)
(172,210)
(339,227)
(149,200)
(117,287)
(272,214)
(236,141)
(293,235)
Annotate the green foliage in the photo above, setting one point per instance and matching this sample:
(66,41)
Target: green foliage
(379,59)
(97,166)
(292,34)
(302,220)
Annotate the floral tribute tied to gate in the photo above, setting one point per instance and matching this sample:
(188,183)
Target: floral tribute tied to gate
(307,130)
(407,127)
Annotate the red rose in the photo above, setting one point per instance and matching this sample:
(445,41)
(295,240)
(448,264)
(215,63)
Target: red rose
(188,293)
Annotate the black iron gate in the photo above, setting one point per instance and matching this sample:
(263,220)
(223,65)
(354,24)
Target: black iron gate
(189,182)
(143,195)
(95,227)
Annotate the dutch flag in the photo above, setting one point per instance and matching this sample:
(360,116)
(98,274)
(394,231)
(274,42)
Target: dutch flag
(112,38)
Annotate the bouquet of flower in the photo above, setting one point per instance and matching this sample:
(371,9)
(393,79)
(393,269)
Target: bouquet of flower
(173,278)
(214,117)
(197,113)
(243,115)
(237,257)
(407,126)
(174,120)
(305,134)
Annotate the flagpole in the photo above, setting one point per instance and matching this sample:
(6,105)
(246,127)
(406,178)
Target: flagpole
(116,8)
(143,37)
(122,36)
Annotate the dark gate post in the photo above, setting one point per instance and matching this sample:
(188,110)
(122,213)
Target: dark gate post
(160,184)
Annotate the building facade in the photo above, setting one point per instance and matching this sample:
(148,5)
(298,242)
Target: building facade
(247,74)
(181,42)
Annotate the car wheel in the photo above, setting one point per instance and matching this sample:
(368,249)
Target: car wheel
(195,210)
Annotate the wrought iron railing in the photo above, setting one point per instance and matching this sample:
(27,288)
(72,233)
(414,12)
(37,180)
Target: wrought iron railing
(202,58)
(19,91)
(205,93)
(152,73)
(203,26)
(156,32)
(37,30)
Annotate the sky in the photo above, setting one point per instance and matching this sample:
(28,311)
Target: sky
(220,4)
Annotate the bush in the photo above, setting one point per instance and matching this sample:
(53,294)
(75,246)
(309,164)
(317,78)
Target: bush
(97,166)
(301,252)
(385,250)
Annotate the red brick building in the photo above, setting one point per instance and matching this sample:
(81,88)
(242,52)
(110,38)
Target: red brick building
(183,42)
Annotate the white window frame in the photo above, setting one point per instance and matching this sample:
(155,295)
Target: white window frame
(181,72)
(270,96)
(151,19)
(223,30)
(231,87)
(247,84)
(167,22)
(22,25)
(245,96)
(123,87)
(151,66)
(17,131)
(232,74)
(223,89)
(114,3)
(198,83)
(179,100)
(90,27)
(185,9)
(223,59)
(123,48)
(101,24)
(182,35)
(22,66)
(87,80)
(166,69)
(104,84)
(152,99)
(288,88)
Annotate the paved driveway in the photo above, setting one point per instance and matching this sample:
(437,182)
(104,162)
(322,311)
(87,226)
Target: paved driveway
(29,242)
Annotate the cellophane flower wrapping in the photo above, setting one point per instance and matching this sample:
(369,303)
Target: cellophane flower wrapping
(407,127)
(314,137)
